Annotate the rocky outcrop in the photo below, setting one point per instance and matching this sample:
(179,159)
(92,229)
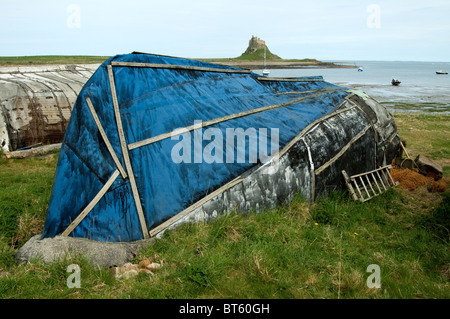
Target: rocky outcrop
(254,44)
(256,47)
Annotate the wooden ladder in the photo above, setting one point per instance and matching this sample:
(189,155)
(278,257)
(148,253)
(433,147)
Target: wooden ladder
(367,185)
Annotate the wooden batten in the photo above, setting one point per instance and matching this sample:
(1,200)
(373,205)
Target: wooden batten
(342,151)
(210,122)
(91,205)
(125,154)
(362,186)
(191,208)
(288,79)
(177,67)
(105,138)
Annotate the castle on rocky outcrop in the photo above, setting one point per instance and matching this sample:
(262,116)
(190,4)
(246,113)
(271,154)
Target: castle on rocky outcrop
(256,45)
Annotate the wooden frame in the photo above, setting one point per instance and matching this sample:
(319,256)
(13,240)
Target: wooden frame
(380,176)
(239,179)
(105,138)
(262,78)
(91,205)
(177,67)
(125,154)
(342,151)
(183,130)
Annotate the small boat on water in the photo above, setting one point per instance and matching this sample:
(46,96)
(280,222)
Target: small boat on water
(360,69)
(395,82)
(441,72)
(265,71)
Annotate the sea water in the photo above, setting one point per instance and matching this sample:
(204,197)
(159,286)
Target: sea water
(420,90)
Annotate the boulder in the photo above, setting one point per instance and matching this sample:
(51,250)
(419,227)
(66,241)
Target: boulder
(103,254)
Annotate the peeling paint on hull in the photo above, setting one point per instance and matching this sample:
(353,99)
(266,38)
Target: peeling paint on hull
(36,102)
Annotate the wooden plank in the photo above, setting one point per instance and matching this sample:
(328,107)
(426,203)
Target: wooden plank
(376,183)
(342,151)
(390,177)
(359,191)
(307,92)
(180,131)
(125,154)
(373,171)
(370,185)
(362,182)
(404,149)
(177,67)
(293,93)
(196,205)
(307,128)
(381,180)
(385,178)
(311,167)
(349,185)
(105,138)
(288,79)
(91,205)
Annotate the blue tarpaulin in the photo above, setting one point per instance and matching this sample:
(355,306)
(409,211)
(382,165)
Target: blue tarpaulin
(157,95)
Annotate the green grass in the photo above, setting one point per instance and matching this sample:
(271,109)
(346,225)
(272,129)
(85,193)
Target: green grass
(51,59)
(422,107)
(302,252)
(26,187)
(427,134)
(257,56)
(75,59)
(294,251)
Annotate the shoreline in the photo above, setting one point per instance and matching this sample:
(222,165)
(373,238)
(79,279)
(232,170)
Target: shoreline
(256,65)
(234,62)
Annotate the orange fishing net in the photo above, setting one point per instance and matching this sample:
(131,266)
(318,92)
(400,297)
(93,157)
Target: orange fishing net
(410,180)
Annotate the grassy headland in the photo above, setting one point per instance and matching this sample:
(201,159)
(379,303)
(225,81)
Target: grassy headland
(298,250)
(50,59)
(255,60)
(251,61)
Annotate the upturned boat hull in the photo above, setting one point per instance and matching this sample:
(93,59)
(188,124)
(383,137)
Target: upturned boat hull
(156,141)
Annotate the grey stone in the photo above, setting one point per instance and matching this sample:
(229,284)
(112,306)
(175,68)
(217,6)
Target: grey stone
(103,254)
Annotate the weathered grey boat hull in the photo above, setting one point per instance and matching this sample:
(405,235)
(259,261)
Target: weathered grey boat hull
(359,135)
(36,102)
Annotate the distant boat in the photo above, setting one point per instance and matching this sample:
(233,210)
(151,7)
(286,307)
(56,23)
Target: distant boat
(360,69)
(395,82)
(441,72)
(265,72)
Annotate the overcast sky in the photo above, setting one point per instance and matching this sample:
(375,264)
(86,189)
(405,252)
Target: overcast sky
(323,29)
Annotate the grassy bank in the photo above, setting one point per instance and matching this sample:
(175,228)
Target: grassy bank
(427,134)
(245,61)
(295,251)
(421,107)
(51,59)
